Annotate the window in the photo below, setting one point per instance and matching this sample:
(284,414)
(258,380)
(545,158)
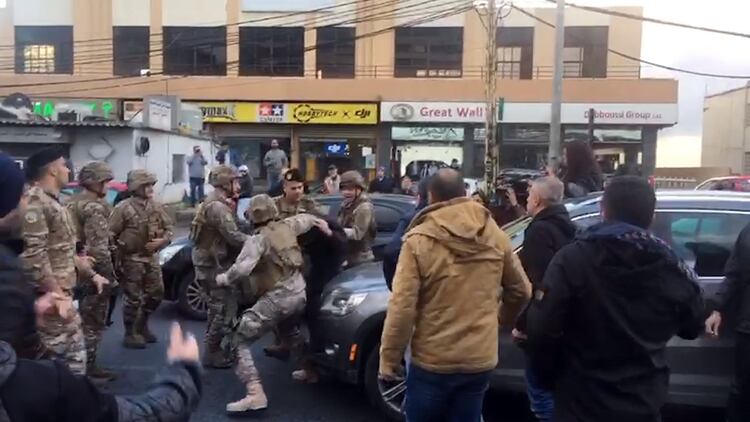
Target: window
(429,52)
(195,51)
(39,59)
(335,52)
(178,168)
(387,218)
(585,53)
(509,62)
(573,62)
(130,49)
(272,51)
(44,49)
(703,240)
(515,53)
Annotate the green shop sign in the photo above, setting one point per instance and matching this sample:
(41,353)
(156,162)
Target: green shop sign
(48,108)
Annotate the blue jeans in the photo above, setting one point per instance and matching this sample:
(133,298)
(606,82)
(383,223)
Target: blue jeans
(196,190)
(542,403)
(432,397)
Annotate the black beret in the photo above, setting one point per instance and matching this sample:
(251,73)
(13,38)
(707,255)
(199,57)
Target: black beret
(294,175)
(41,158)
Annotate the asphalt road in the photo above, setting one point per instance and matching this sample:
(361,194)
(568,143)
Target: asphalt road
(289,402)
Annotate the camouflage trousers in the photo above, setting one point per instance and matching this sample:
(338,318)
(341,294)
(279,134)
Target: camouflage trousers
(143,289)
(272,308)
(93,310)
(65,339)
(222,308)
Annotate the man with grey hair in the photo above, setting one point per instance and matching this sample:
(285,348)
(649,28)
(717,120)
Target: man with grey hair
(550,229)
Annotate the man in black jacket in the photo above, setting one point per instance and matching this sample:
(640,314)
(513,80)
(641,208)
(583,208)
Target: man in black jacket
(609,303)
(734,298)
(549,230)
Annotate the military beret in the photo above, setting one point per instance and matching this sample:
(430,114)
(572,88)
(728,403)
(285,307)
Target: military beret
(294,175)
(41,158)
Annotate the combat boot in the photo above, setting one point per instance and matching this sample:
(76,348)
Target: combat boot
(306,376)
(217,360)
(142,329)
(279,351)
(98,373)
(132,339)
(254,400)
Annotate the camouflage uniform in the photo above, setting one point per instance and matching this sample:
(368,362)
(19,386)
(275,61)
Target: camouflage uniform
(216,241)
(135,222)
(305,205)
(49,234)
(275,260)
(358,219)
(91,214)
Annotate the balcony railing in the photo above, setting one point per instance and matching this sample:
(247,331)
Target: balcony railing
(476,72)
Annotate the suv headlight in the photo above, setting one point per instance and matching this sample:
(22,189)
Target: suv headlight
(341,302)
(168,253)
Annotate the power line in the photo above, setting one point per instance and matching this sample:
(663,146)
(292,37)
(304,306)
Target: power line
(654,20)
(425,6)
(106,56)
(639,60)
(268,18)
(426,19)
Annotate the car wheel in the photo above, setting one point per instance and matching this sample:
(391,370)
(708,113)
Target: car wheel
(192,299)
(387,397)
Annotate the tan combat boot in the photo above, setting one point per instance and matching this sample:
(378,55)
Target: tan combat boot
(254,400)
(142,329)
(306,376)
(132,340)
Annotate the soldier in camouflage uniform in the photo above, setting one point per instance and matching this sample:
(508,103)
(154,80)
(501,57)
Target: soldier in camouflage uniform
(357,217)
(292,202)
(49,258)
(217,240)
(140,228)
(90,212)
(274,258)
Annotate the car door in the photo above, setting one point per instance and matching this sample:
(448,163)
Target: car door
(704,239)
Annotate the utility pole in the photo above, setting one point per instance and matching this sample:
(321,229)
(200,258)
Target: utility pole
(490,144)
(555,130)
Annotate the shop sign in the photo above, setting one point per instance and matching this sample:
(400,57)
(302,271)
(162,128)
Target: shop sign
(49,108)
(448,112)
(572,113)
(426,133)
(290,113)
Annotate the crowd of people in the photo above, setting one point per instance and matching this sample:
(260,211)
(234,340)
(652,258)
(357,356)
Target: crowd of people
(592,310)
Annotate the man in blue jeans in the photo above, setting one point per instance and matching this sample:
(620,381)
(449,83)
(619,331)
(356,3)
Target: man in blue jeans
(196,170)
(455,269)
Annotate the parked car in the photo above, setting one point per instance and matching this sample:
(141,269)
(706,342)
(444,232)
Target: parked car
(701,227)
(113,189)
(177,265)
(730,183)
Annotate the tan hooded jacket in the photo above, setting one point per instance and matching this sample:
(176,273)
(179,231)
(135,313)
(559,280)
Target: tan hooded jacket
(455,273)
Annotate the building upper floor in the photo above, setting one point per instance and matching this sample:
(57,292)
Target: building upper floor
(179,44)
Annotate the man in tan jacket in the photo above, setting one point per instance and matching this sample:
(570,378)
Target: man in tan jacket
(457,279)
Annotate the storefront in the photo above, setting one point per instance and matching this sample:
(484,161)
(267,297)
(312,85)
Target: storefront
(314,135)
(623,133)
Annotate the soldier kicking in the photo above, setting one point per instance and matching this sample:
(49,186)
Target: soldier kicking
(274,259)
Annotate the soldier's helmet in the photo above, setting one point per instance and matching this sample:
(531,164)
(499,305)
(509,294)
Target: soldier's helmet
(263,208)
(353,178)
(95,172)
(222,175)
(140,177)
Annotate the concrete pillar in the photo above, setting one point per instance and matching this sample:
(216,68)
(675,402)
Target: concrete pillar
(294,149)
(156,63)
(7,37)
(383,148)
(648,138)
(310,57)
(233,36)
(631,155)
(92,20)
(467,163)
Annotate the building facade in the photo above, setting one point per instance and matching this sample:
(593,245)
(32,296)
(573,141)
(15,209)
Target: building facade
(726,130)
(324,77)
